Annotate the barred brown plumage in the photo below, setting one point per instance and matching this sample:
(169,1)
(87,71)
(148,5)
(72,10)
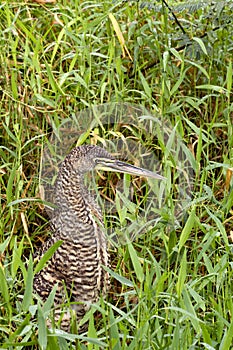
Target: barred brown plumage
(77,265)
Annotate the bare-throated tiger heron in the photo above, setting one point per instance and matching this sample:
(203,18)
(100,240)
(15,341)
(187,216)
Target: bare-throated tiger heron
(77,265)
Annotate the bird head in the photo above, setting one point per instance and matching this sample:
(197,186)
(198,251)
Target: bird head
(89,157)
(105,161)
(122,167)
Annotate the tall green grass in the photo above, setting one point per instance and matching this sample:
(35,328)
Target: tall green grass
(171,289)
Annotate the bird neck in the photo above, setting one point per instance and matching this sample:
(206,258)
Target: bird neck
(73,196)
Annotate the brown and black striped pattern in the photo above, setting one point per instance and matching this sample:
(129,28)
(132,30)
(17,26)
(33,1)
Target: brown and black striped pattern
(76,266)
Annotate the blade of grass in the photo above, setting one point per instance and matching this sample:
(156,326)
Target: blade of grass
(42,329)
(182,274)
(226,342)
(136,263)
(47,256)
(28,286)
(187,229)
(5,289)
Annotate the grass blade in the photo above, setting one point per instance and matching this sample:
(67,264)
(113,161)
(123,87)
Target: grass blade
(182,274)
(187,229)
(28,286)
(42,329)
(136,263)
(226,342)
(47,256)
(4,288)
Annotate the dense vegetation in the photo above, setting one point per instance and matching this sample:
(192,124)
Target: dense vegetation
(172,286)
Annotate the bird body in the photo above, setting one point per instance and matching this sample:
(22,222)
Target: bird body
(77,266)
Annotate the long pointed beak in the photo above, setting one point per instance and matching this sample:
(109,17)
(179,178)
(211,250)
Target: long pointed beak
(122,167)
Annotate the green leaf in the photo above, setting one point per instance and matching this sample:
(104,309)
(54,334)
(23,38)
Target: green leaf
(226,342)
(220,226)
(187,229)
(4,288)
(9,190)
(114,333)
(216,88)
(136,263)
(52,80)
(229,79)
(92,332)
(72,337)
(49,303)
(4,245)
(189,307)
(47,256)
(42,329)
(28,286)
(202,69)
(45,100)
(16,258)
(201,44)
(205,333)
(197,130)
(119,278)
(182,275)
(145,85)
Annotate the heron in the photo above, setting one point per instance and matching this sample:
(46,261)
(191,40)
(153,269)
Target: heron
(78,266)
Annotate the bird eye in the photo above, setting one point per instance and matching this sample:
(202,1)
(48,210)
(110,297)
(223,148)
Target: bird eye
(97,161)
